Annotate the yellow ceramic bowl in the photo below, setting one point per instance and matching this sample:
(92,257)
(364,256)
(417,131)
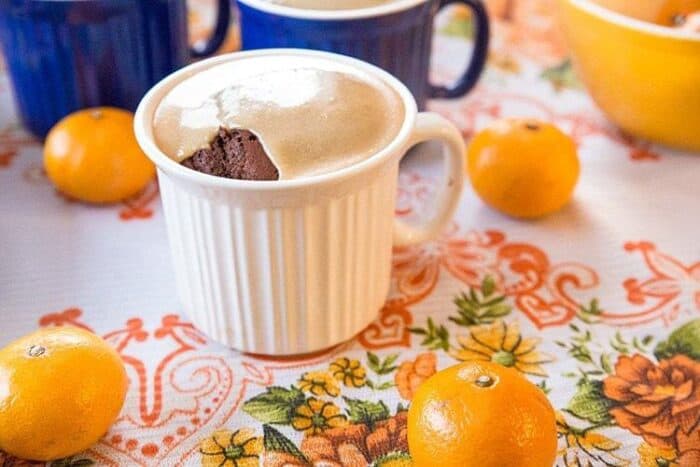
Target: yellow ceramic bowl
(645,77)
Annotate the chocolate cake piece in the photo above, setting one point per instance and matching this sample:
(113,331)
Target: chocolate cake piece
(234,153)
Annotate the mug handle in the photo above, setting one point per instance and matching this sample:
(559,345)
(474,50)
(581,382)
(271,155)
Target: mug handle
(218,36)
(431,126)
(476,65)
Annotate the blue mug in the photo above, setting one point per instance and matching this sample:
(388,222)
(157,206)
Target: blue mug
(64,55)
(396,36)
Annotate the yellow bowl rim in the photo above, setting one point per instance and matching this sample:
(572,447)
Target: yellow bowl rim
(632,23)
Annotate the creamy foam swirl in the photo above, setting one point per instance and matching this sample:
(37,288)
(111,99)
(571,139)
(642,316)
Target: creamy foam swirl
(312,115)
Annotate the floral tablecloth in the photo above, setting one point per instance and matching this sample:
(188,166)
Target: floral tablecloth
(599,305)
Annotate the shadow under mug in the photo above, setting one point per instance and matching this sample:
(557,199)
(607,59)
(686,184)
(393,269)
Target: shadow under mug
(70,54)
(396,37)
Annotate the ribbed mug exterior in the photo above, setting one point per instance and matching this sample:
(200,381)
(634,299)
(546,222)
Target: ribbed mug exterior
(286,279)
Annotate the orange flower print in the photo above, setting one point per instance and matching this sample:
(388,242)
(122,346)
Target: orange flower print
(358,445)
(528,27)
(315,415)
(319,383)
(411,374)
(650,456)
(6,157)
(688,448)
(337,446)
(658,403)
(389,436)
(469,258)
(502,343)
(349,372)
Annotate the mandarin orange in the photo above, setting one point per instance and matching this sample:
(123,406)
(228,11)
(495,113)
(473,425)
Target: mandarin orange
(92,155)
(523,167)
(481,414)
(60,391)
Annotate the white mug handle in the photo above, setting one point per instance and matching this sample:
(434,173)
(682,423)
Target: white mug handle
(431,126)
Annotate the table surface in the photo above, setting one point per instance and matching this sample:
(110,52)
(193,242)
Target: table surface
(598,304)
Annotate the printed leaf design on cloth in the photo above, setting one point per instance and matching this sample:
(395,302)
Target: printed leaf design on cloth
(366,412)
(380,386)
(488,286)
(275,405)
(435,337)
(543,386)
(562,76)
(590,314)
(382,367)
(589,403)
(503,61)
(605,363)
(625,346)
(274,441)
(684,340)
(578,349)
(596,365)
(483,306)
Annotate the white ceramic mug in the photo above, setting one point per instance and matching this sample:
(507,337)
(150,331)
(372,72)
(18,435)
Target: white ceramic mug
(293,266)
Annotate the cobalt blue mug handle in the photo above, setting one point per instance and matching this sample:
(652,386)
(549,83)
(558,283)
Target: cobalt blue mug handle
(478,61)
(218,36)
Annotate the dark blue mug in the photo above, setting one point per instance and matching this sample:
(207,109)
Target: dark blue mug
(396,36)
(64,55)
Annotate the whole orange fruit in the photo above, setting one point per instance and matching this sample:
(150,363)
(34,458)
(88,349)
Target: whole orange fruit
(673,11)
(60,391)
(522,167)
(92,155)
(481,414)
